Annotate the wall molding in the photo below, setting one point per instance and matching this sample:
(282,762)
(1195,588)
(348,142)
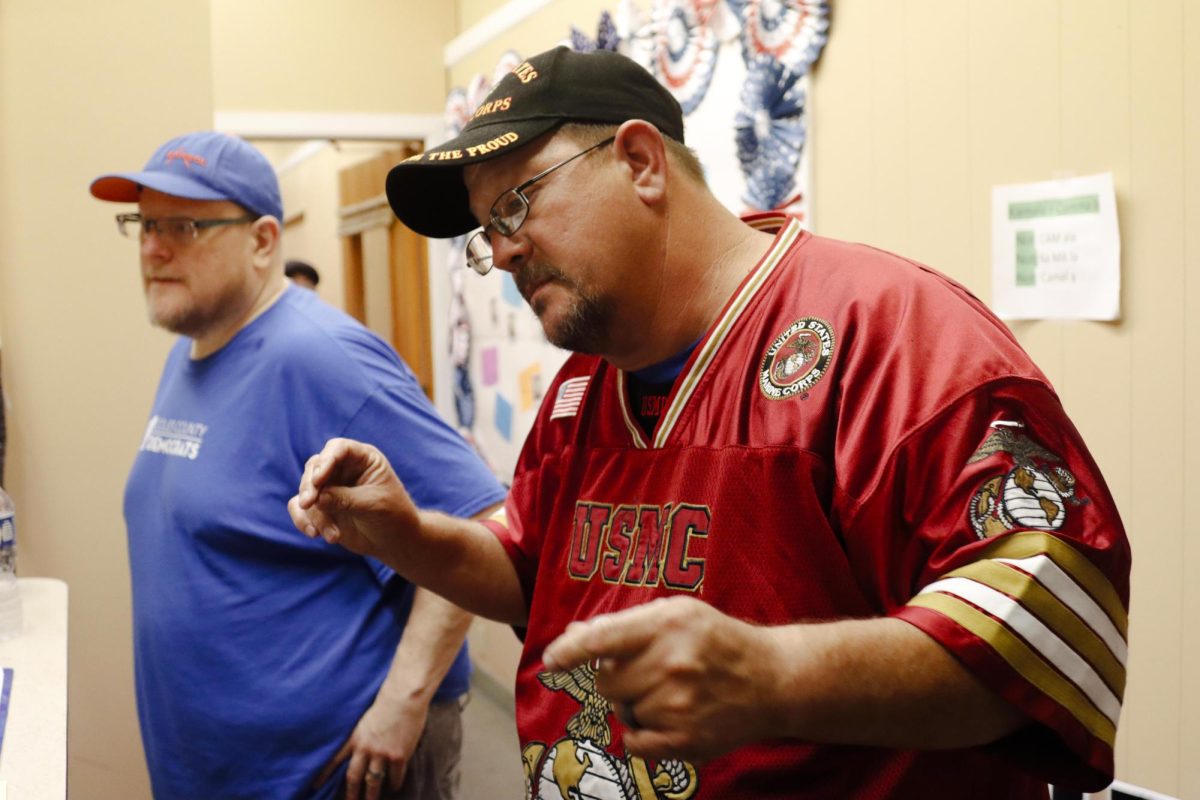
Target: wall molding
(427,128)
(488,28)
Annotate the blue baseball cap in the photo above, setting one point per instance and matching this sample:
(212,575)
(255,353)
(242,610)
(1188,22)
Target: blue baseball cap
(205,165)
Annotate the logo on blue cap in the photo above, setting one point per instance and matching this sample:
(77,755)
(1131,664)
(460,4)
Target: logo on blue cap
(205,165)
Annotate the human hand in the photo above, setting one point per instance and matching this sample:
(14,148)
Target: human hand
(350,496)
(379,749)
(688,681)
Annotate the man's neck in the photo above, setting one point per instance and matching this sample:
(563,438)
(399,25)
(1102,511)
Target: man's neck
(209,343)
(699,276)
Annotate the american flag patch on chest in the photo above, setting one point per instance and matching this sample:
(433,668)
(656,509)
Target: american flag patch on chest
(570,396)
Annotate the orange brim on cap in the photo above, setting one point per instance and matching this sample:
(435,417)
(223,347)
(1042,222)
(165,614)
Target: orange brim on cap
(115,188)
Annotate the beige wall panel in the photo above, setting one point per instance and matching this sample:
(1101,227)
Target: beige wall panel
(1012,118)
(841,139)
(889,125)
(1014,133)
(356,56)
(87,88)
(889,178)
(1154,243)
(938,201)
(472,12)
(1189,735)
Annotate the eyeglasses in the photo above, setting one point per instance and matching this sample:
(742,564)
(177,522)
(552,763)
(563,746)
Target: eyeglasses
(508,214)
(177,230)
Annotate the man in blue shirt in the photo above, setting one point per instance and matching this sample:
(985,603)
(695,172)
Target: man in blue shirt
(269,665)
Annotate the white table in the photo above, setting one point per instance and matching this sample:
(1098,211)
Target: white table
(33,761)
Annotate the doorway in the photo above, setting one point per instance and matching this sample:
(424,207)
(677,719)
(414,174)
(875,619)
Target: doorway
(336,217)
(385,271)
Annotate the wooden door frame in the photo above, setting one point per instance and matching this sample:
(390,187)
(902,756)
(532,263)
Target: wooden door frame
(362,207)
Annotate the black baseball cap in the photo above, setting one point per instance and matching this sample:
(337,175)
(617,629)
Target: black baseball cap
(296,267)
(561,85)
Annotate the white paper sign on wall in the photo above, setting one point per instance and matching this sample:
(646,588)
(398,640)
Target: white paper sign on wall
(1056,250)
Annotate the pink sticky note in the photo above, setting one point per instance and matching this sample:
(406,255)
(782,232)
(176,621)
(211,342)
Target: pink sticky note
(491,366)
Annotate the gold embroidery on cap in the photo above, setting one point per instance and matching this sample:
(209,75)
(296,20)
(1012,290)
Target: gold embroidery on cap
(492,107)
(503,140)
(525,72)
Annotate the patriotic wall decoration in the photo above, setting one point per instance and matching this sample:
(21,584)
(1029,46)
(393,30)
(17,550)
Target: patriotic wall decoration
(740,70)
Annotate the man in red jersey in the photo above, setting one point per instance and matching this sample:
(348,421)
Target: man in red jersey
(799,518)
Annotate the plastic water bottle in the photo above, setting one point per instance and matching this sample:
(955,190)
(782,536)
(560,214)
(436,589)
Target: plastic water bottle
(10,596)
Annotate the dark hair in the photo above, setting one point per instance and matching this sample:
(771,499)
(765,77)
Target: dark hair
(294,268)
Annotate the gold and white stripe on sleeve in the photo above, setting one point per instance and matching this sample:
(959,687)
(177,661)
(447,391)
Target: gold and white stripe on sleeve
(1051,614)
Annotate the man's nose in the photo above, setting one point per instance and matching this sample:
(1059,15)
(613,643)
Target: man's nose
(509,252)
(154,246)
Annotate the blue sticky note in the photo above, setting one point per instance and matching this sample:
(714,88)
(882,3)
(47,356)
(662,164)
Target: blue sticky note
(5,691)
(510,293)
(504,414)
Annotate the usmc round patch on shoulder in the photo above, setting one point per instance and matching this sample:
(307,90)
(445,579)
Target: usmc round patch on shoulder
(797,359)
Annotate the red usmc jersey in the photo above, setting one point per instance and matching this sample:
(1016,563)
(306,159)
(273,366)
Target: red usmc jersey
(855,436)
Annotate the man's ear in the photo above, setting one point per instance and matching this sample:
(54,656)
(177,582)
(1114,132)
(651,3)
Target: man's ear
(640,147)
(266,231)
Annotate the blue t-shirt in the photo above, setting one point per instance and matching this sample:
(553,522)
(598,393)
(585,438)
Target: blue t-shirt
(257,649)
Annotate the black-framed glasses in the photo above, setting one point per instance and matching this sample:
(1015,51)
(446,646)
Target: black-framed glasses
(508,214)
(177,230)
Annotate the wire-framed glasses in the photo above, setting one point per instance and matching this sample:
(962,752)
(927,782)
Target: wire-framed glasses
(177,230)
(508,214)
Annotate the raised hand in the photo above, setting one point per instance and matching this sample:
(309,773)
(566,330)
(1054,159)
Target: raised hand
(350,496)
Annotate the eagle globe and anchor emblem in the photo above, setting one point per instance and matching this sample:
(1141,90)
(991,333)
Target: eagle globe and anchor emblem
(578,766)
(797,359)
(1035,493)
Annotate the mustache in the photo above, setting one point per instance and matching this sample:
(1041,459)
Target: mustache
(533,276)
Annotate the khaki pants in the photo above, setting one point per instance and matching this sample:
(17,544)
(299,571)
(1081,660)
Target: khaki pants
(434,771)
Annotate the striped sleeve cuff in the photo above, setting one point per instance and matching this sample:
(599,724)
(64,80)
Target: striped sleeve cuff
(1046,611)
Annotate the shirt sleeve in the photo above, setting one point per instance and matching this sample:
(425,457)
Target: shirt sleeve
(522,542)
(1012,556)
(437,466)
(435,463)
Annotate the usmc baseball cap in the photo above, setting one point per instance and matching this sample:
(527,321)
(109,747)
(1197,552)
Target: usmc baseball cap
(426,191)
(205,165)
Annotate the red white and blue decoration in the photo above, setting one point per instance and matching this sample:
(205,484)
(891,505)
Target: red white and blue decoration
(607,36)
(686,48)
(769,127)
(792,32)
